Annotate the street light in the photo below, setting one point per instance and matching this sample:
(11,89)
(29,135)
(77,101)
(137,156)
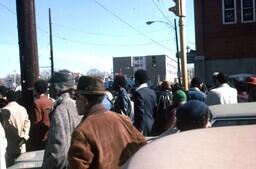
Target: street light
(177,44)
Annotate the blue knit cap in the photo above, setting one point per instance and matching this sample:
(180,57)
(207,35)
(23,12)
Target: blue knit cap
(192,113)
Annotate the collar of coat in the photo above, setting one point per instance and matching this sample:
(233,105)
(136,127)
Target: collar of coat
(142,86)
(97,108)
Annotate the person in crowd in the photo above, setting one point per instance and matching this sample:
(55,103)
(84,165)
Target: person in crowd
(3,145)
(194,92)
(3,100)
(193,115)
(242,94)
(169,125)
(175,87)
(108,100)
(14,141)
(104,139)
(223,93)
(64,119)
(251,88)
(20,121)
(41,122)
(144,104)
(122,101)
(164,100)
(214,80)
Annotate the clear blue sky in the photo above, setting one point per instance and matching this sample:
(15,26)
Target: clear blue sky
(88,33)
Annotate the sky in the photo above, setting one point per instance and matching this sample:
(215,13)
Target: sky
(87,34)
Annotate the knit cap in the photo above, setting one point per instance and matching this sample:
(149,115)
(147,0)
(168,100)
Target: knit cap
(179,96)
(191,112)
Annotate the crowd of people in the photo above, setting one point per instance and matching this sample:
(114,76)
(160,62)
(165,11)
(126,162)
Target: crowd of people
(84,126)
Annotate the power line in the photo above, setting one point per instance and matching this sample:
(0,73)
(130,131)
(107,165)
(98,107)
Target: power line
(129,25)
(100,44)
(101,34)
(8,9)
(103,44)
(162,12)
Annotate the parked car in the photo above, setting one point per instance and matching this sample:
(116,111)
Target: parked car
(33,159)
(233,114)
(214,148)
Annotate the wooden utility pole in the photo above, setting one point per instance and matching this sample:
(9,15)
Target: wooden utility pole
(183,45)
(51,46)
(27,50)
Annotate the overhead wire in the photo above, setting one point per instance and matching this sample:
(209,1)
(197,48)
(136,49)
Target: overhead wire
(97,44)
(8,9)
(168,20)
(129,25)
(101,34)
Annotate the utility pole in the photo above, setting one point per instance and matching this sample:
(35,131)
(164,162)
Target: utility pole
(179,10)
(177,51)
(27,50)
(51,46)
(183,46)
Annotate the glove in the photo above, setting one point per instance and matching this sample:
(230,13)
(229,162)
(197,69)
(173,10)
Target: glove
(22,141)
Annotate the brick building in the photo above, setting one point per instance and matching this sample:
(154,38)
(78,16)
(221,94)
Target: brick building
(225,37)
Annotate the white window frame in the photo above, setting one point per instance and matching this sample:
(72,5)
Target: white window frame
(242,12)
(223,12)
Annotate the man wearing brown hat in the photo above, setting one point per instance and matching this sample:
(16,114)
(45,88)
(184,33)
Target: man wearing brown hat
(104,139)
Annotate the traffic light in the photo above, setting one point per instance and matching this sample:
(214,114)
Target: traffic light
(179,8)
(154,65)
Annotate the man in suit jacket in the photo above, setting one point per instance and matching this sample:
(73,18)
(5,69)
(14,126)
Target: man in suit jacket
(144,104)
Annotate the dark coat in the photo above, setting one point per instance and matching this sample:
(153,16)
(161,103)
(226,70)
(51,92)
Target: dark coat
(122,103)
(196,94)
(144,108)
(163,116)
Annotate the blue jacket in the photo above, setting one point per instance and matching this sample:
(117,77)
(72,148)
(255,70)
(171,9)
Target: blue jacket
(195,94)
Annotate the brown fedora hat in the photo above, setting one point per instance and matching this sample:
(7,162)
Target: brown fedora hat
(89,85)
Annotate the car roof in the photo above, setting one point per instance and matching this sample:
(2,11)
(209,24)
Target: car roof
(214,148)
(33,159)
(234,110)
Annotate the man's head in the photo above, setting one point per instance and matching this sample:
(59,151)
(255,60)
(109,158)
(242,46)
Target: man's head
(193,115)
(41,86)
(165,85)
(119,82)
(11,96)
(62,81)
(196,82)
(221,78)
(141,76)
(90,91)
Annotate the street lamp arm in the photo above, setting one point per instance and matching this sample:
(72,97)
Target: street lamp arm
(167,23)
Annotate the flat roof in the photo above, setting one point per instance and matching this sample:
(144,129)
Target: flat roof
(213,148)
(234,110)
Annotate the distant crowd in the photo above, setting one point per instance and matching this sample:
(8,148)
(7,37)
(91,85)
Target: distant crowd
(83,125)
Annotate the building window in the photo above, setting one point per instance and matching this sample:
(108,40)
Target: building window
(229,11)
(248,11)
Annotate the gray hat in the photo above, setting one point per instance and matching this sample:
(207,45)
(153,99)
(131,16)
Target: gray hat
(63,77)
